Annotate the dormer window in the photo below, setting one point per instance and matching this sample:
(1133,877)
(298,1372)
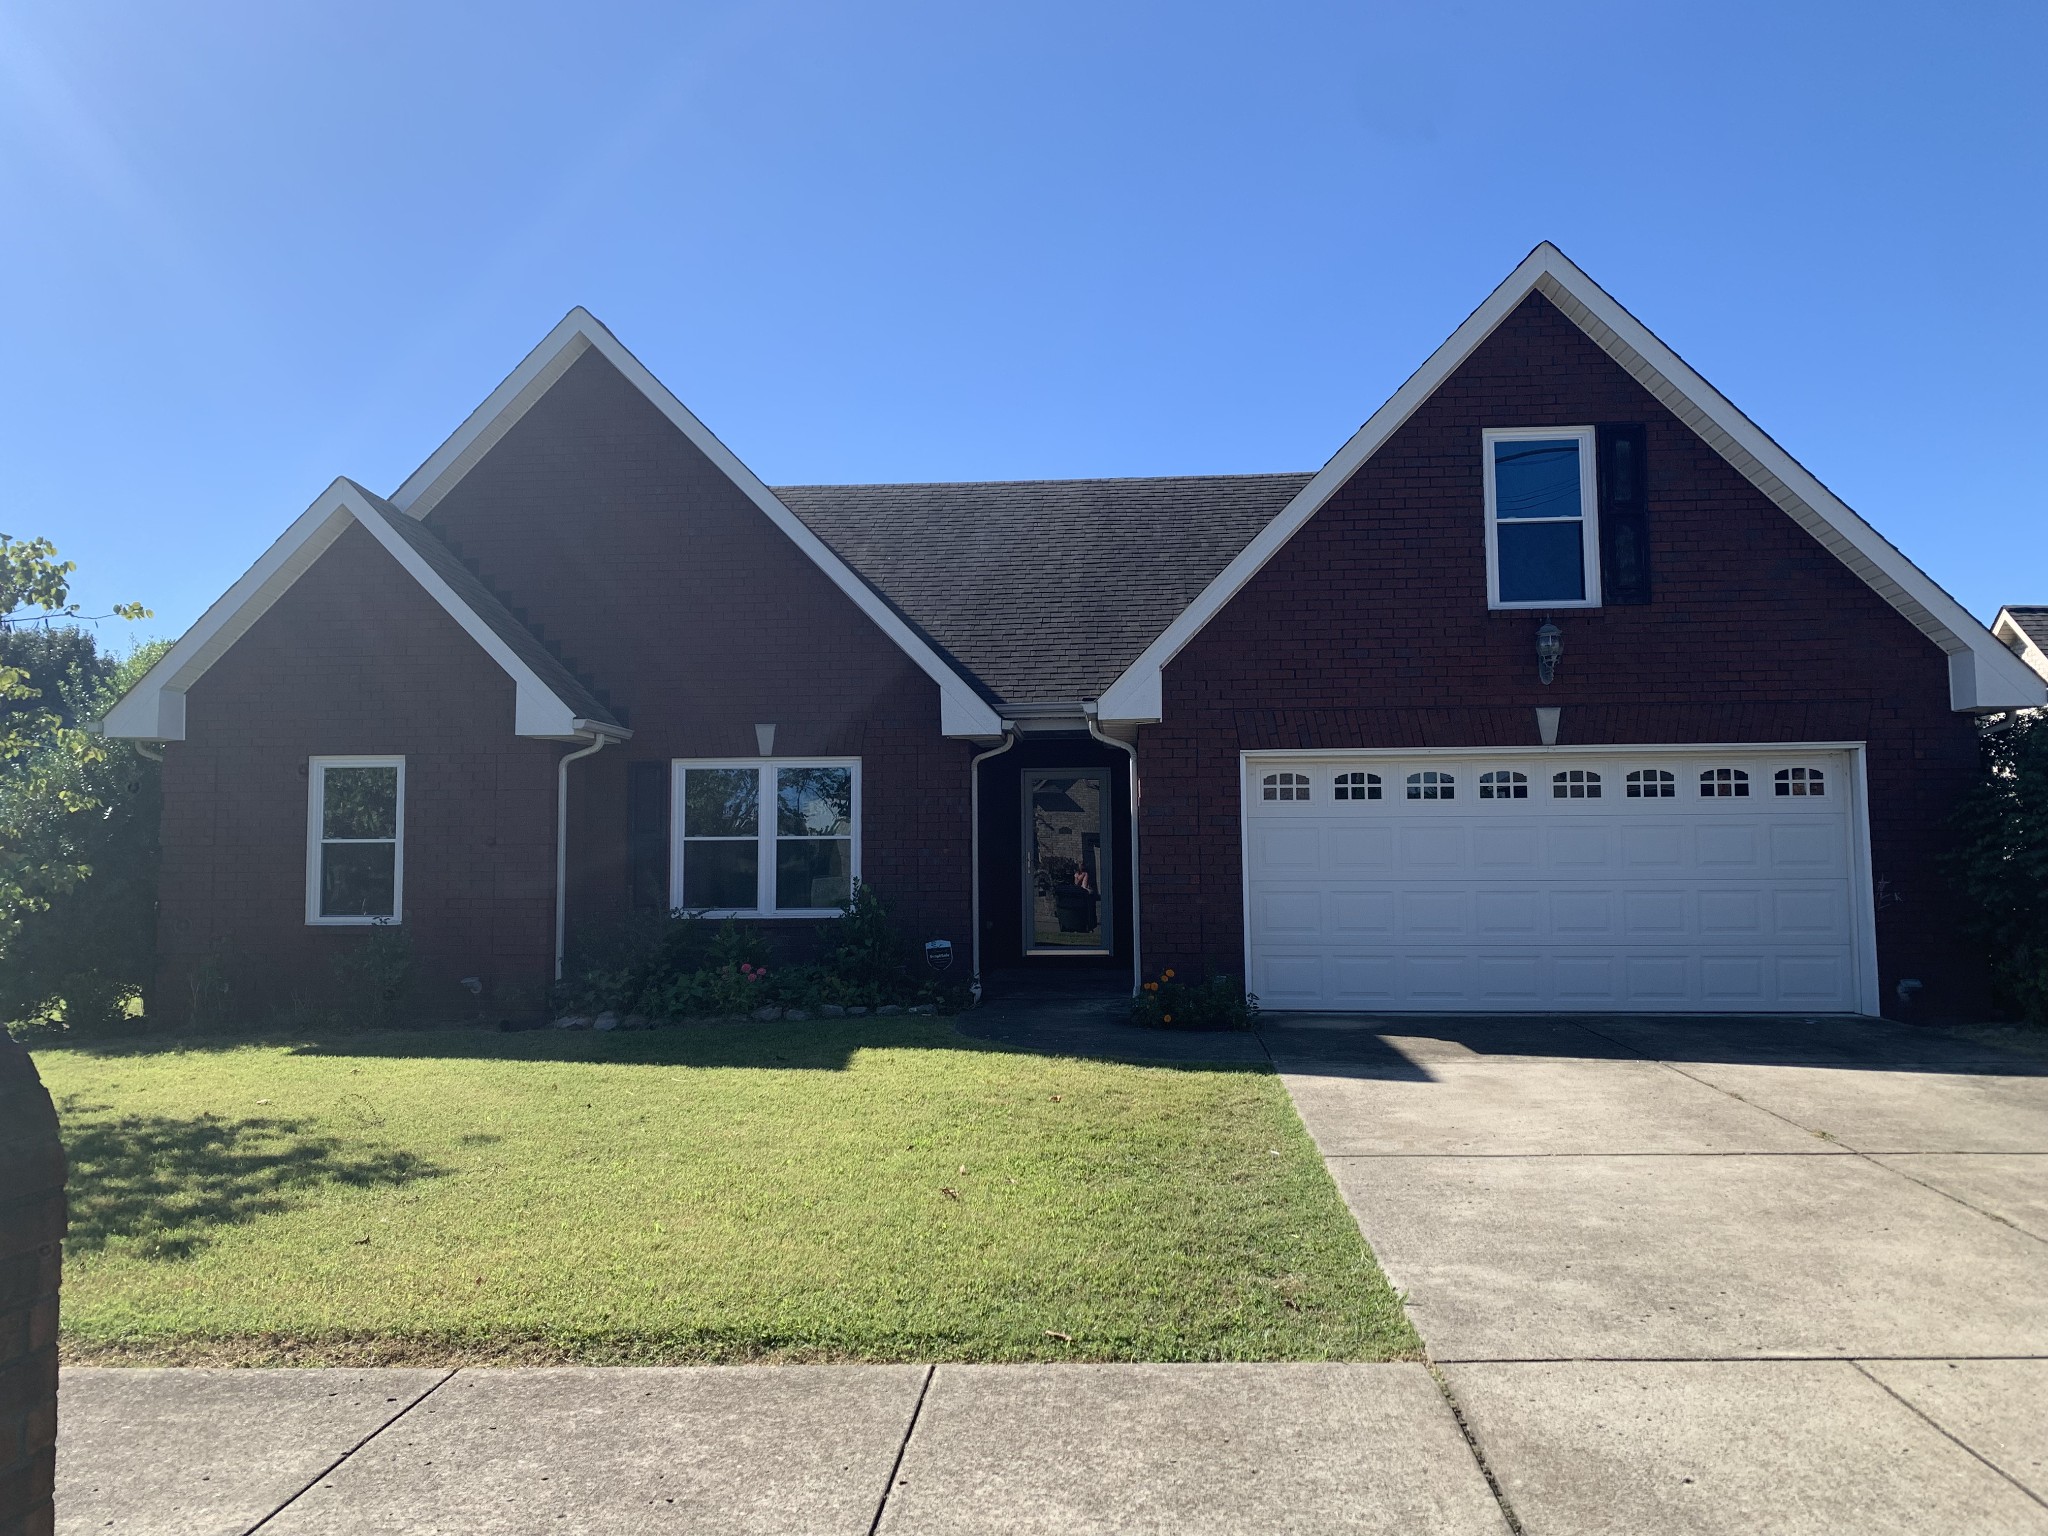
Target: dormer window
(1542,518)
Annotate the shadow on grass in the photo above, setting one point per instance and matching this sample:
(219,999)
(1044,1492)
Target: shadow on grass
(171,1184)
(827,1045)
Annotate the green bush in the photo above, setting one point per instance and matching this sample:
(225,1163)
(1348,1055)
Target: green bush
(373,974)
(1216,1002)
(682,965)
(1999,860)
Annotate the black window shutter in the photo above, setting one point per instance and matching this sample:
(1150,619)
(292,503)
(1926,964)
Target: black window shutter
(647,835)
(1624,515)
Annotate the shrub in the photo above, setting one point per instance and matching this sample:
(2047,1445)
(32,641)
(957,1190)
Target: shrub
(1999,860)
(372,975)
(682,965)
(1217,1002)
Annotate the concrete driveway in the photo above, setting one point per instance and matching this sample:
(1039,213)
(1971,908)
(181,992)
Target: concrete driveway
(1710,1275)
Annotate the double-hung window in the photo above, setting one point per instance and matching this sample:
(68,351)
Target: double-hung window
(1542,518)
(355,839)
(765,839)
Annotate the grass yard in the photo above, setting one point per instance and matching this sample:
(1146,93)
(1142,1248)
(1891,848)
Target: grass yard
(866,1190)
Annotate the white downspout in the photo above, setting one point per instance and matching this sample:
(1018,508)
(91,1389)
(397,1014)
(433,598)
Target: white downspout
(974,845)
(562,845)
(1137,930)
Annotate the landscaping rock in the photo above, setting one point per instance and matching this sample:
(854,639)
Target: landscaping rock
(888,1010)
(636,1021)
(795,1013)
(767,1015)
(856,1013)
(605,1021)
(572,1021)
(831,1011)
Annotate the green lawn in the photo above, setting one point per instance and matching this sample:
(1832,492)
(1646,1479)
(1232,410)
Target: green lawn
(872,1190)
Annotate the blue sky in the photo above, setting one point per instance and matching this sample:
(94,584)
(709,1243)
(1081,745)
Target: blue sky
(250,247)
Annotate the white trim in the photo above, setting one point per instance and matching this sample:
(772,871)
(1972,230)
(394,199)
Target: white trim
(316,827)
(765,835)
(1862,882)
(1983,674)
(154,709)
(2006,629)
(1588,519)
(962,711)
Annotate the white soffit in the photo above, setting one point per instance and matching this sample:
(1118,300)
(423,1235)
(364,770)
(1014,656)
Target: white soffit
(1983,674)
(154,709)
(2014,637)
(962,710)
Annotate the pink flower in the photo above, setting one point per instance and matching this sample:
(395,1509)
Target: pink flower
(745,969)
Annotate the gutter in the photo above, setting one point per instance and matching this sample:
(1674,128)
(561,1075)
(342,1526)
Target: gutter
(602,736)
(1090,709)
(974,846)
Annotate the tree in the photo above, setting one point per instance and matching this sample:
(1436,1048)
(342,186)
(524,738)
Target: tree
(77,812)
(2000,859)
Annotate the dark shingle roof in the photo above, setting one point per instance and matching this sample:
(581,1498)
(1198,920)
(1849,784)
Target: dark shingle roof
(486,605)
(1043,590)
(2033,621)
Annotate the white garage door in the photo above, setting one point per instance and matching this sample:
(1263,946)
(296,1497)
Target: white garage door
(1660,880)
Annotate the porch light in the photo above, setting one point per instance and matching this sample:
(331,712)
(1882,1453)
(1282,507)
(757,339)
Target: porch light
(1549,646)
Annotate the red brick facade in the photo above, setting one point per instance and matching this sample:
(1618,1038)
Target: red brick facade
(598,521)
(356,658)
(1370,629)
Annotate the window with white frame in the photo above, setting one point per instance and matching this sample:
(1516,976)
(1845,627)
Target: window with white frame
(1358,786)
(1800,782)
(1504,784)
(355,839)
(1285,786)
(1651,784)
(1724,784)
(1542,518)
(1432,784)
(766,839)
(1575,784)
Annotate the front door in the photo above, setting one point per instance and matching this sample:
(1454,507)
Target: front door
(1066,861)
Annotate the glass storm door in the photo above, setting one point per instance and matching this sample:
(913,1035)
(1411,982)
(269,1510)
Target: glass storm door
(1066,862)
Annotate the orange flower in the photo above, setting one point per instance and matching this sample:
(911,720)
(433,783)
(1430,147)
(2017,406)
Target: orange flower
(1169,1018)
(1151,986)
(1168,974)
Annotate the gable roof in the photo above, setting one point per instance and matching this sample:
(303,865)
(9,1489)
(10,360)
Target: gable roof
(963,711)
(1983,674)
(1043,591)
(549,700)
(2024,632)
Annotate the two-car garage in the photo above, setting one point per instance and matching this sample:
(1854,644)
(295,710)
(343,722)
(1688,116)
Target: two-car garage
(1618,879)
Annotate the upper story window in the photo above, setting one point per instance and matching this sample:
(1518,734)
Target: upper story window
(1358,786)
(766,839)
(1286,786)
(355,814)
(1542,518)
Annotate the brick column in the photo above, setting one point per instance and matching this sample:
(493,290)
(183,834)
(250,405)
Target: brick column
(32,1218)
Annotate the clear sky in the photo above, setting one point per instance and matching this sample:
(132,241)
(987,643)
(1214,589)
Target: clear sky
(248,247)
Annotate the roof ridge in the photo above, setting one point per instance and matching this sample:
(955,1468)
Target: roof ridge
(932,485)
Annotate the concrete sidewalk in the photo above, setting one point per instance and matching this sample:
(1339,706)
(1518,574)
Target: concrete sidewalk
(804,1450)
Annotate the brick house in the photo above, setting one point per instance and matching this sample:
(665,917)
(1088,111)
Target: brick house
(1560,687)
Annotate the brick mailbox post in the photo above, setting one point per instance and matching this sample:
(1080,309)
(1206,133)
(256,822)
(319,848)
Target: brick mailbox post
(31,1252)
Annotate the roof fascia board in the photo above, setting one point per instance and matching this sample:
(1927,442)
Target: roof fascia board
(962,710)
(1982,673)
(154,709)
(2006,630)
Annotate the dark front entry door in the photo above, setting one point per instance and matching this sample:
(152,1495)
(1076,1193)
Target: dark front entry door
(1066,862)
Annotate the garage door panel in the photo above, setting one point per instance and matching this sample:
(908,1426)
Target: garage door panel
(1590,903)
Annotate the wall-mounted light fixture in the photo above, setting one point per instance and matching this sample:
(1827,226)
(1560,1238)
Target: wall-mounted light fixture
(1549,646)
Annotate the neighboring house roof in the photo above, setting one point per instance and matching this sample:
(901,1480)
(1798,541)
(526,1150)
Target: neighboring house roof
(1983,674)
(963,711)
(549,700)
(1043,591)
(2024,632)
